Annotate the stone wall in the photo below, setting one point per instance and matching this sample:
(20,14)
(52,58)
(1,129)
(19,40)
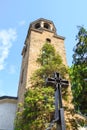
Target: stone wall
(34,42)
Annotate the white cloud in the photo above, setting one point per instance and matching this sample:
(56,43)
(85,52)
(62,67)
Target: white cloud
(22,23)
(6,39)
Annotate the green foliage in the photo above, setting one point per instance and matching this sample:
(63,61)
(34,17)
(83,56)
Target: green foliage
(47,54)
(80,50)
(38,106)
(39,101)
(50,62)
(78,71)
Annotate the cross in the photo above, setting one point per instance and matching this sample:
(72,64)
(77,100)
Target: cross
(57,82)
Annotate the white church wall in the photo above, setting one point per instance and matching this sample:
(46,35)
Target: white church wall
(7,114)
(82,128)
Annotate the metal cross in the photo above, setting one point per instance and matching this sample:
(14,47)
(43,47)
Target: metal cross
(57,82)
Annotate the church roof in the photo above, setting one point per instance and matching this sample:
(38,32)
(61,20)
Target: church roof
(8,99)
(47,23)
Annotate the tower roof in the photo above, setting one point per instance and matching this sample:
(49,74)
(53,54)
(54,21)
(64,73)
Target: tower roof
(45,24)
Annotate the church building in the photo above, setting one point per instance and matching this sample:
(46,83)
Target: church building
(39,32)
(8,106)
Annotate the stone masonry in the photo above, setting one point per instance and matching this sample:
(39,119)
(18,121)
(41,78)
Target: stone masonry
(39,32)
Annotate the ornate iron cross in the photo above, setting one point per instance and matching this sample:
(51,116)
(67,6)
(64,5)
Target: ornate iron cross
(57,82)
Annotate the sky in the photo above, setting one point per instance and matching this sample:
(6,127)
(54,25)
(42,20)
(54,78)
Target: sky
(15,17)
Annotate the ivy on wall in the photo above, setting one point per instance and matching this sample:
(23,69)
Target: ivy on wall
(38,107)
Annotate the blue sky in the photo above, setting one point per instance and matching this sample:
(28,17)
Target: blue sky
(15,17)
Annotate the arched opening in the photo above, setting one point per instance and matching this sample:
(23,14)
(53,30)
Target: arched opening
(37,25)
(46,25)
(48,40)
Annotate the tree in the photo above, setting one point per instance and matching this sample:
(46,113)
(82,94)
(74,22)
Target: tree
(39,101)
(38,104)
(78,71)
(49,61)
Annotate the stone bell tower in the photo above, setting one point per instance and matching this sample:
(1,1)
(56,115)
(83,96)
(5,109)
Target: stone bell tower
(40,31)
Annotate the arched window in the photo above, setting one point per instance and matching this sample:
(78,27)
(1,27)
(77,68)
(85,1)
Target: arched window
(37,25)
(46,25)
(22,76)
(48,40)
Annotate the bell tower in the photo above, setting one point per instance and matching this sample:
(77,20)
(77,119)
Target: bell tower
(39,32)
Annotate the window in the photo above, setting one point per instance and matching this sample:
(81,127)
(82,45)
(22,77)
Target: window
(46,25)
(22,75)
(37,25)
(48,40)
(25,49)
